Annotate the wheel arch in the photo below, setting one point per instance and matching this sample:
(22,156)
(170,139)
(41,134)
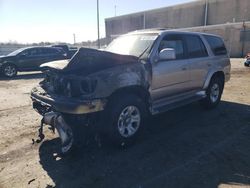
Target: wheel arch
(11,63)
(6,64)
(137,90)
(219,74)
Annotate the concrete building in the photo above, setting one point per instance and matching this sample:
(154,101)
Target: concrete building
(228,18)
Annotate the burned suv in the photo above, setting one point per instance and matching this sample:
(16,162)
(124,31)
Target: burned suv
(140,73)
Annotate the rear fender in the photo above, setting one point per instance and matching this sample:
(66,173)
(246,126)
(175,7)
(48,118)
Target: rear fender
(209,77)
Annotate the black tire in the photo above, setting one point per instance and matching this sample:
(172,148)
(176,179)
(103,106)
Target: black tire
(83,130)
(77,130)
(9,70)
(123,129)
(213,95)
(247,64)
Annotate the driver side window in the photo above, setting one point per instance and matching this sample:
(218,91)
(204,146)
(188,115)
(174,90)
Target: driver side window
(174,42)
(24,53)
(30,52)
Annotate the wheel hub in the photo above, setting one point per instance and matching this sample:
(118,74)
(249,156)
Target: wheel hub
(215,92)
(129,121)
(9,71)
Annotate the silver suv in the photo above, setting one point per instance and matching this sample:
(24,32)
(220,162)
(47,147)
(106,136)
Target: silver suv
(140,73)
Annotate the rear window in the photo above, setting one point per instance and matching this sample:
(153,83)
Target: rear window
(217,45)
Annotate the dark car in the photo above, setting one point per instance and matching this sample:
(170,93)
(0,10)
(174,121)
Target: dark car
(247,63)
(28,59)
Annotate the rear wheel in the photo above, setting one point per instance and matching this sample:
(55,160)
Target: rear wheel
(214,92)
(9,70)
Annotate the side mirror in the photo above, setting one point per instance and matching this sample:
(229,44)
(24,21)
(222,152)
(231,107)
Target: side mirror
(167,54)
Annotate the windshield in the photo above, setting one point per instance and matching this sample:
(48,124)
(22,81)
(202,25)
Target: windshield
(135,44)
(16,52)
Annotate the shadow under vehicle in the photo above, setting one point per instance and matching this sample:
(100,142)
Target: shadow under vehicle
(185,147)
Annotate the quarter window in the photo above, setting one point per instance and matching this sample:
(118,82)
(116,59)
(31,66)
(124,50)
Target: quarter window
(195,47)
(217,45)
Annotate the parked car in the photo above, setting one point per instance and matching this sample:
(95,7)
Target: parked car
(28,59)
(140,73)
(69,51)
(247,62)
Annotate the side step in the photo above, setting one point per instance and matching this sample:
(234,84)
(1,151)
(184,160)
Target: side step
(165,105)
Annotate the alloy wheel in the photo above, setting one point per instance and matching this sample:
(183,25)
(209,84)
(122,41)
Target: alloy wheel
(129,121)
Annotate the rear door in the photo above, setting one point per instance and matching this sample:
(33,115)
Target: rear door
(40,57)
(170,77)
(49,54)
(55,54)
(199,61)
(45,55)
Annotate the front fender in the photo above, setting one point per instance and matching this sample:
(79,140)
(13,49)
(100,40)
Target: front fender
(113,79)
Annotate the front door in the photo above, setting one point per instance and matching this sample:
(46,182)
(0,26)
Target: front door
(31,59)
(170,77)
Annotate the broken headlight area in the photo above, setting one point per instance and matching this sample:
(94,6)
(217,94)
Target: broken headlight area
(77,88)
(69,87)
(88,86)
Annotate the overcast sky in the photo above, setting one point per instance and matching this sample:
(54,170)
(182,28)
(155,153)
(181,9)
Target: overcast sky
(28,21)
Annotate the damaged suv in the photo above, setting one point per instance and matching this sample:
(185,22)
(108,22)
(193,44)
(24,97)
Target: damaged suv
(139,73)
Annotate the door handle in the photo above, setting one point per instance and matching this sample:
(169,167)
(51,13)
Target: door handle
(209,65)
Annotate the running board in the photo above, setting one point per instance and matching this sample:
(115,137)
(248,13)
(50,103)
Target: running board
(163,106)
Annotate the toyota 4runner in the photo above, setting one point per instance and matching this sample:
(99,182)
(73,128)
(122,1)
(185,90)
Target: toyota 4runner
(139,73)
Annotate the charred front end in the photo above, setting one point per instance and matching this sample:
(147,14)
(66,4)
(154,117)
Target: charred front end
(76,86)
(81,86)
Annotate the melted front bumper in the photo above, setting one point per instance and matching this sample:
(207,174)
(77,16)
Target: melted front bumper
(65,104)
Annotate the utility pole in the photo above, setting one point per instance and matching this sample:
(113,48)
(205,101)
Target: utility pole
(243,38)
(115,10)
(74,37)
(144,20)
(98,26)
(206,13)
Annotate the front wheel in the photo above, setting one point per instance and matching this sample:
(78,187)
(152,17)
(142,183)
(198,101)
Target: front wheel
(214,92)
(125,117)
(9,70)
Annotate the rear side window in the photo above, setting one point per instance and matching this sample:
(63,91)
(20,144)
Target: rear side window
(50,51)
(217,45)
(195,47)
(43,51)
(32,52)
